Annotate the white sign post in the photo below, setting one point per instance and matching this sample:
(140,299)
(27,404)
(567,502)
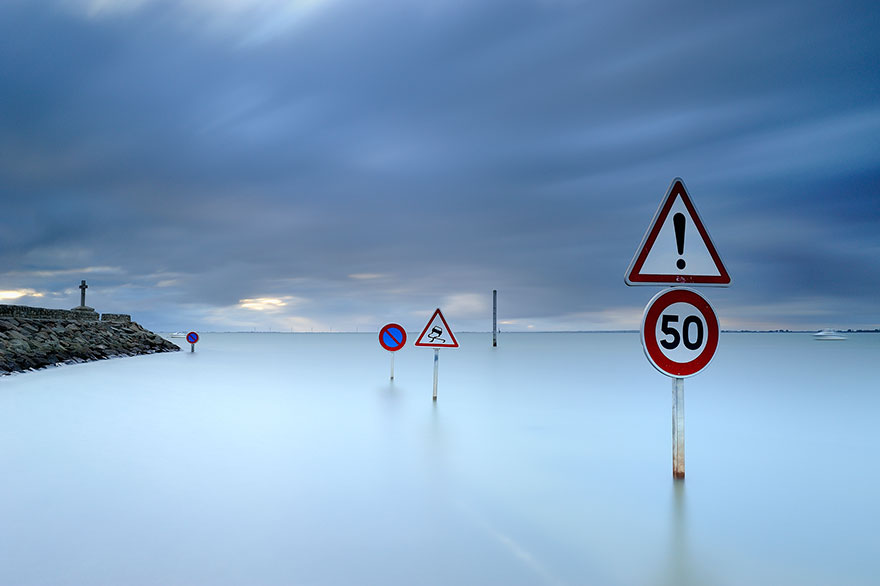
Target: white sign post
(437,334)
(679,329)
(679,336)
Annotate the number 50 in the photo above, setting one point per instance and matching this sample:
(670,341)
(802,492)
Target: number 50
(685,335)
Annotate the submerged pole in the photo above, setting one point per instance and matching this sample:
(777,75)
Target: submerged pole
(494,317)
(678,428)
(436,359)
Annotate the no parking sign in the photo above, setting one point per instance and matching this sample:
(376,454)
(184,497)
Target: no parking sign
(392,337)
(192,338)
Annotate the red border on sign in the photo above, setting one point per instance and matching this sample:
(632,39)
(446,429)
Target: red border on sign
(448,330)
(192,334)
(634,277)
(653,311)
(387,327)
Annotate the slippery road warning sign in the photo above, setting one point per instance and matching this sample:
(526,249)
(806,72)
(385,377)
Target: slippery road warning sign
(677,249)
(437,334)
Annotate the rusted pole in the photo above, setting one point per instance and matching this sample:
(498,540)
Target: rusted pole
(678,428)
(494,317)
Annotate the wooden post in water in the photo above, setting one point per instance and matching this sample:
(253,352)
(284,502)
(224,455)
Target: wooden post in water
(678,428)
(436,359)
(494,317)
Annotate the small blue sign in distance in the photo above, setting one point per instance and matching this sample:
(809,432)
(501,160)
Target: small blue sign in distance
(192,337)
(392,337)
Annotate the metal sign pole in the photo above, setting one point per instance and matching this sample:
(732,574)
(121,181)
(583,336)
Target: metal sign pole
(494,317)
(436,359)
(392,366)
(678,427)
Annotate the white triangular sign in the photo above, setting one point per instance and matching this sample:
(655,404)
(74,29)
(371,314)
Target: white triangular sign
(677,248)
(437,334)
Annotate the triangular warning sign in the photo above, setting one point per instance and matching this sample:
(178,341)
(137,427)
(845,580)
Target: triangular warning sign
(677,248)
(437,334)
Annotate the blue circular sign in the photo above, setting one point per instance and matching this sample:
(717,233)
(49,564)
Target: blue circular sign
(392,337)
(192,337)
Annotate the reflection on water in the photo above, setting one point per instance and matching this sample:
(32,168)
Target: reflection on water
(293,459)
(679,567)
(681,571)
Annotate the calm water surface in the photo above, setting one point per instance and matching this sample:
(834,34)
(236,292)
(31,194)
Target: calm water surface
(267,459)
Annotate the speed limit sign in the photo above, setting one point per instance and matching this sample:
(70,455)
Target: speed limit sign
(679,332)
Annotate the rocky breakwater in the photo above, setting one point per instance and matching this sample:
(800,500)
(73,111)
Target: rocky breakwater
(33,337)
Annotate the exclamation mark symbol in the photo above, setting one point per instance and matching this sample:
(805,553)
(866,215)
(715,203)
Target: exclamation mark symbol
(678,221)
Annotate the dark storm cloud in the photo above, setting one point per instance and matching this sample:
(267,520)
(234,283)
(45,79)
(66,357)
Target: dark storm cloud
(437,150)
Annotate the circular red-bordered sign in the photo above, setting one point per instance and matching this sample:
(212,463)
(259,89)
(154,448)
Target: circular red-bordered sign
(679,332)
(192,337)
(392,337)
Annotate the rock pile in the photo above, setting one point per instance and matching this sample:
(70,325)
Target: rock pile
(27,343)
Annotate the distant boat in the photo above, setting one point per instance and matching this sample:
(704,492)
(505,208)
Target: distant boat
(178,335)
(828,335)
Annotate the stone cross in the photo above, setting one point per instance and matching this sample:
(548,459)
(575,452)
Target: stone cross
(82,296)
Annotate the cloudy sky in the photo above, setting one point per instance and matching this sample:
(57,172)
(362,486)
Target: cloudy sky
(338,164)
